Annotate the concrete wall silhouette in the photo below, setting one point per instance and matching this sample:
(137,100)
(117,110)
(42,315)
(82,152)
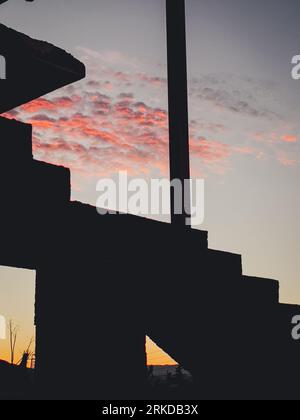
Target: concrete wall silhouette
(86,304)
(104,282)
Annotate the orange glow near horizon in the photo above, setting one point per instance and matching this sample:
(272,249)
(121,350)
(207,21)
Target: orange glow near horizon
(156,356)
(22,345)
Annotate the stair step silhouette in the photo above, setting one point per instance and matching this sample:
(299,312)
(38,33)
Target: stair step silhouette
(16,142)
(33,69)
(262,291)
(32,194)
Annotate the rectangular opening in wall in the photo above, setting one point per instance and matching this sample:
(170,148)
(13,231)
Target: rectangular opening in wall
(164,373)
(17,330)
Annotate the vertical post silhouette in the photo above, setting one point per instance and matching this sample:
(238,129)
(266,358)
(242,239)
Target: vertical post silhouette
(178,105)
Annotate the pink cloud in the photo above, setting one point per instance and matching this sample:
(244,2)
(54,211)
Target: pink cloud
(244,150)
(101,124)
(209,150)
(285,160)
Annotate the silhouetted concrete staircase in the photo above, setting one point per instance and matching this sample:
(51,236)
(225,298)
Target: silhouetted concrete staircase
(136,277)
(104,282)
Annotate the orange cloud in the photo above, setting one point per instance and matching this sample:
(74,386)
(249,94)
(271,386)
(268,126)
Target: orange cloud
(289,138)
(54,105)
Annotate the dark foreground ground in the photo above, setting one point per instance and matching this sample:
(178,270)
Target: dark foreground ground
(164,382)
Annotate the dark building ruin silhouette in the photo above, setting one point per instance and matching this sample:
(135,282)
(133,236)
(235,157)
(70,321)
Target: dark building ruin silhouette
(98,276)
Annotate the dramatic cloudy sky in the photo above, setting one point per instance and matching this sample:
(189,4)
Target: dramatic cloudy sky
(244,123)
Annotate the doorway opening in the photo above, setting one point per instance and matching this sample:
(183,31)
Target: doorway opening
(17,302)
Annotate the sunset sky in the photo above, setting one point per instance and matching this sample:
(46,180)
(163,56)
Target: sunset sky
(244,123)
